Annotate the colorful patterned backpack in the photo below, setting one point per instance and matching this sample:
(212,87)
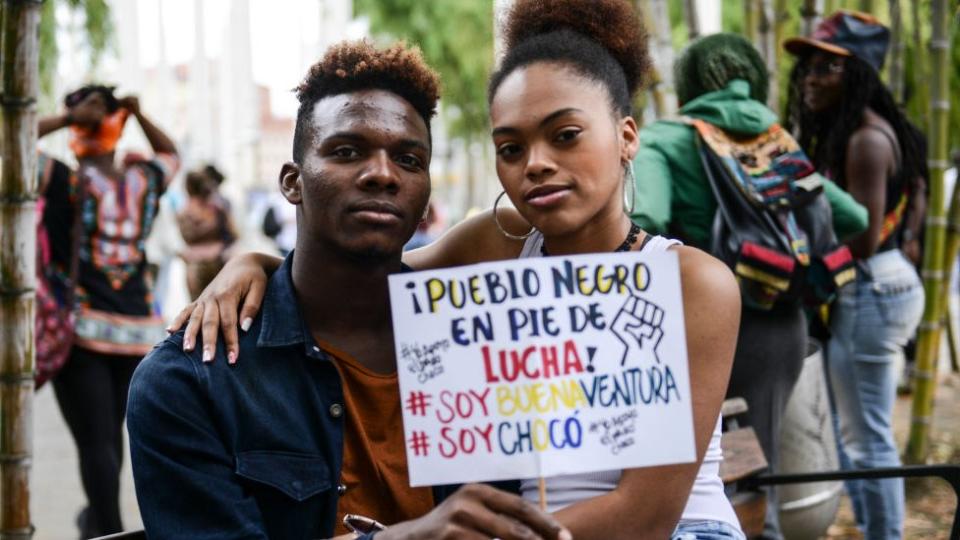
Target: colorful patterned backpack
(773,225)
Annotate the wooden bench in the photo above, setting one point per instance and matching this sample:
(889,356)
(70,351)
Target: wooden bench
(744,467)
(743,460)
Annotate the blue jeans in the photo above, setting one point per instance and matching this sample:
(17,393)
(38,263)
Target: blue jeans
(706,530)
(872,321)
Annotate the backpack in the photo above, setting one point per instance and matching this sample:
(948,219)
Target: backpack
(773,226)
(54,315)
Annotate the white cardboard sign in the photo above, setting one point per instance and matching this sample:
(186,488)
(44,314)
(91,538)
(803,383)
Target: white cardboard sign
(542,367)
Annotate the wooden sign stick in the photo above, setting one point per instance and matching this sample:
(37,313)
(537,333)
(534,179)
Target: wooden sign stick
(542,488)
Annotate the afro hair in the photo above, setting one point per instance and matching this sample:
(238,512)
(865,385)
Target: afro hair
(711,62)
(602,39)
(350,66)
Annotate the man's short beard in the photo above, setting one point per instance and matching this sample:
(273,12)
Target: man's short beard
(371,255)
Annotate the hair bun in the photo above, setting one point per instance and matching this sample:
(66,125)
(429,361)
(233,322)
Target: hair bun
(614,24)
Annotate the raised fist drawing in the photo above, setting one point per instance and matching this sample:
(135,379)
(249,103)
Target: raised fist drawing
(637,326)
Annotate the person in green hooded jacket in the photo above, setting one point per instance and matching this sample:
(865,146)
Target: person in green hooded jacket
(722,80)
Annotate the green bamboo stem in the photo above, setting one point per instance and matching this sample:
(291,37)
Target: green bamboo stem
(896,51)
(692,18)
(781,17)
(751,21)
(928,347)
(811,16)
(920,82)
(18,187)
(663,90)
(767,38)
(951,339)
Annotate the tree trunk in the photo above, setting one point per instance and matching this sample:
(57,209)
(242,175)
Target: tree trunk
(811,12)
(18,193)
(692,19)
(768,50)
(663,90)
(896,51)
(928,345)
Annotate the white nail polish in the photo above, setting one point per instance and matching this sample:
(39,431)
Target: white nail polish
(245,325)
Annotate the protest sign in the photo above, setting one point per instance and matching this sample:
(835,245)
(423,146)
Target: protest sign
(543,366)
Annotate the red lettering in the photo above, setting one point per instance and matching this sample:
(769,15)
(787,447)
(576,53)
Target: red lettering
(444,434)
(526,355)
(465,436)
(527,363)
(509,374)
(464,405)
(444,396)
(571,360)
(482,399)
(487,368)
(485,433)
(551,364)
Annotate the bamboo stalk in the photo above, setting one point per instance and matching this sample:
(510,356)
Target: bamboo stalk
(768,49)
(951,338)
(781,17)
(896,51)
(920,85)
(750,21)
(692,19)
(811,12)
(661,46)
(933,261)
(18,187)
(951,248)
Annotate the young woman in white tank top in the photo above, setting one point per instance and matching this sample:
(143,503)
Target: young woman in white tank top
(564,139)
(707,501)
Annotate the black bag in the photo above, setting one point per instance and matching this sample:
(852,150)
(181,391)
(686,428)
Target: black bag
(773,225)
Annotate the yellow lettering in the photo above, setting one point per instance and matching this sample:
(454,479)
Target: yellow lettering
(541,435)
(641,277)
(604,282)
(622,275)
(582,281)
(435,290)
(475,290)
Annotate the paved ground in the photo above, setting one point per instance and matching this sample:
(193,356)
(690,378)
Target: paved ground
(57,495)
(930,503)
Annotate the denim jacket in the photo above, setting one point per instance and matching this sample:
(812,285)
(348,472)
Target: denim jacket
(252,450)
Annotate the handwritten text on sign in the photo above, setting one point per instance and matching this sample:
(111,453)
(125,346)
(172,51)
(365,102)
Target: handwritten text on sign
(540,367)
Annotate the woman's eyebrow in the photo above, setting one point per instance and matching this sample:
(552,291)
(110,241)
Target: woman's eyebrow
(546,120)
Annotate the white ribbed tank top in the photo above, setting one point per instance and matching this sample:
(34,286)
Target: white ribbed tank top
(707,499)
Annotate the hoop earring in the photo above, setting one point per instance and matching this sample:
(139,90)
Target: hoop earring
(629,189)
(426,213)
(497,221)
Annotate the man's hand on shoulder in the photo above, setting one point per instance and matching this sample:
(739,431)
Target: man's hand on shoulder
(478,511)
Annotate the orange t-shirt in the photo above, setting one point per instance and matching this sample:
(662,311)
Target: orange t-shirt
(374,457)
